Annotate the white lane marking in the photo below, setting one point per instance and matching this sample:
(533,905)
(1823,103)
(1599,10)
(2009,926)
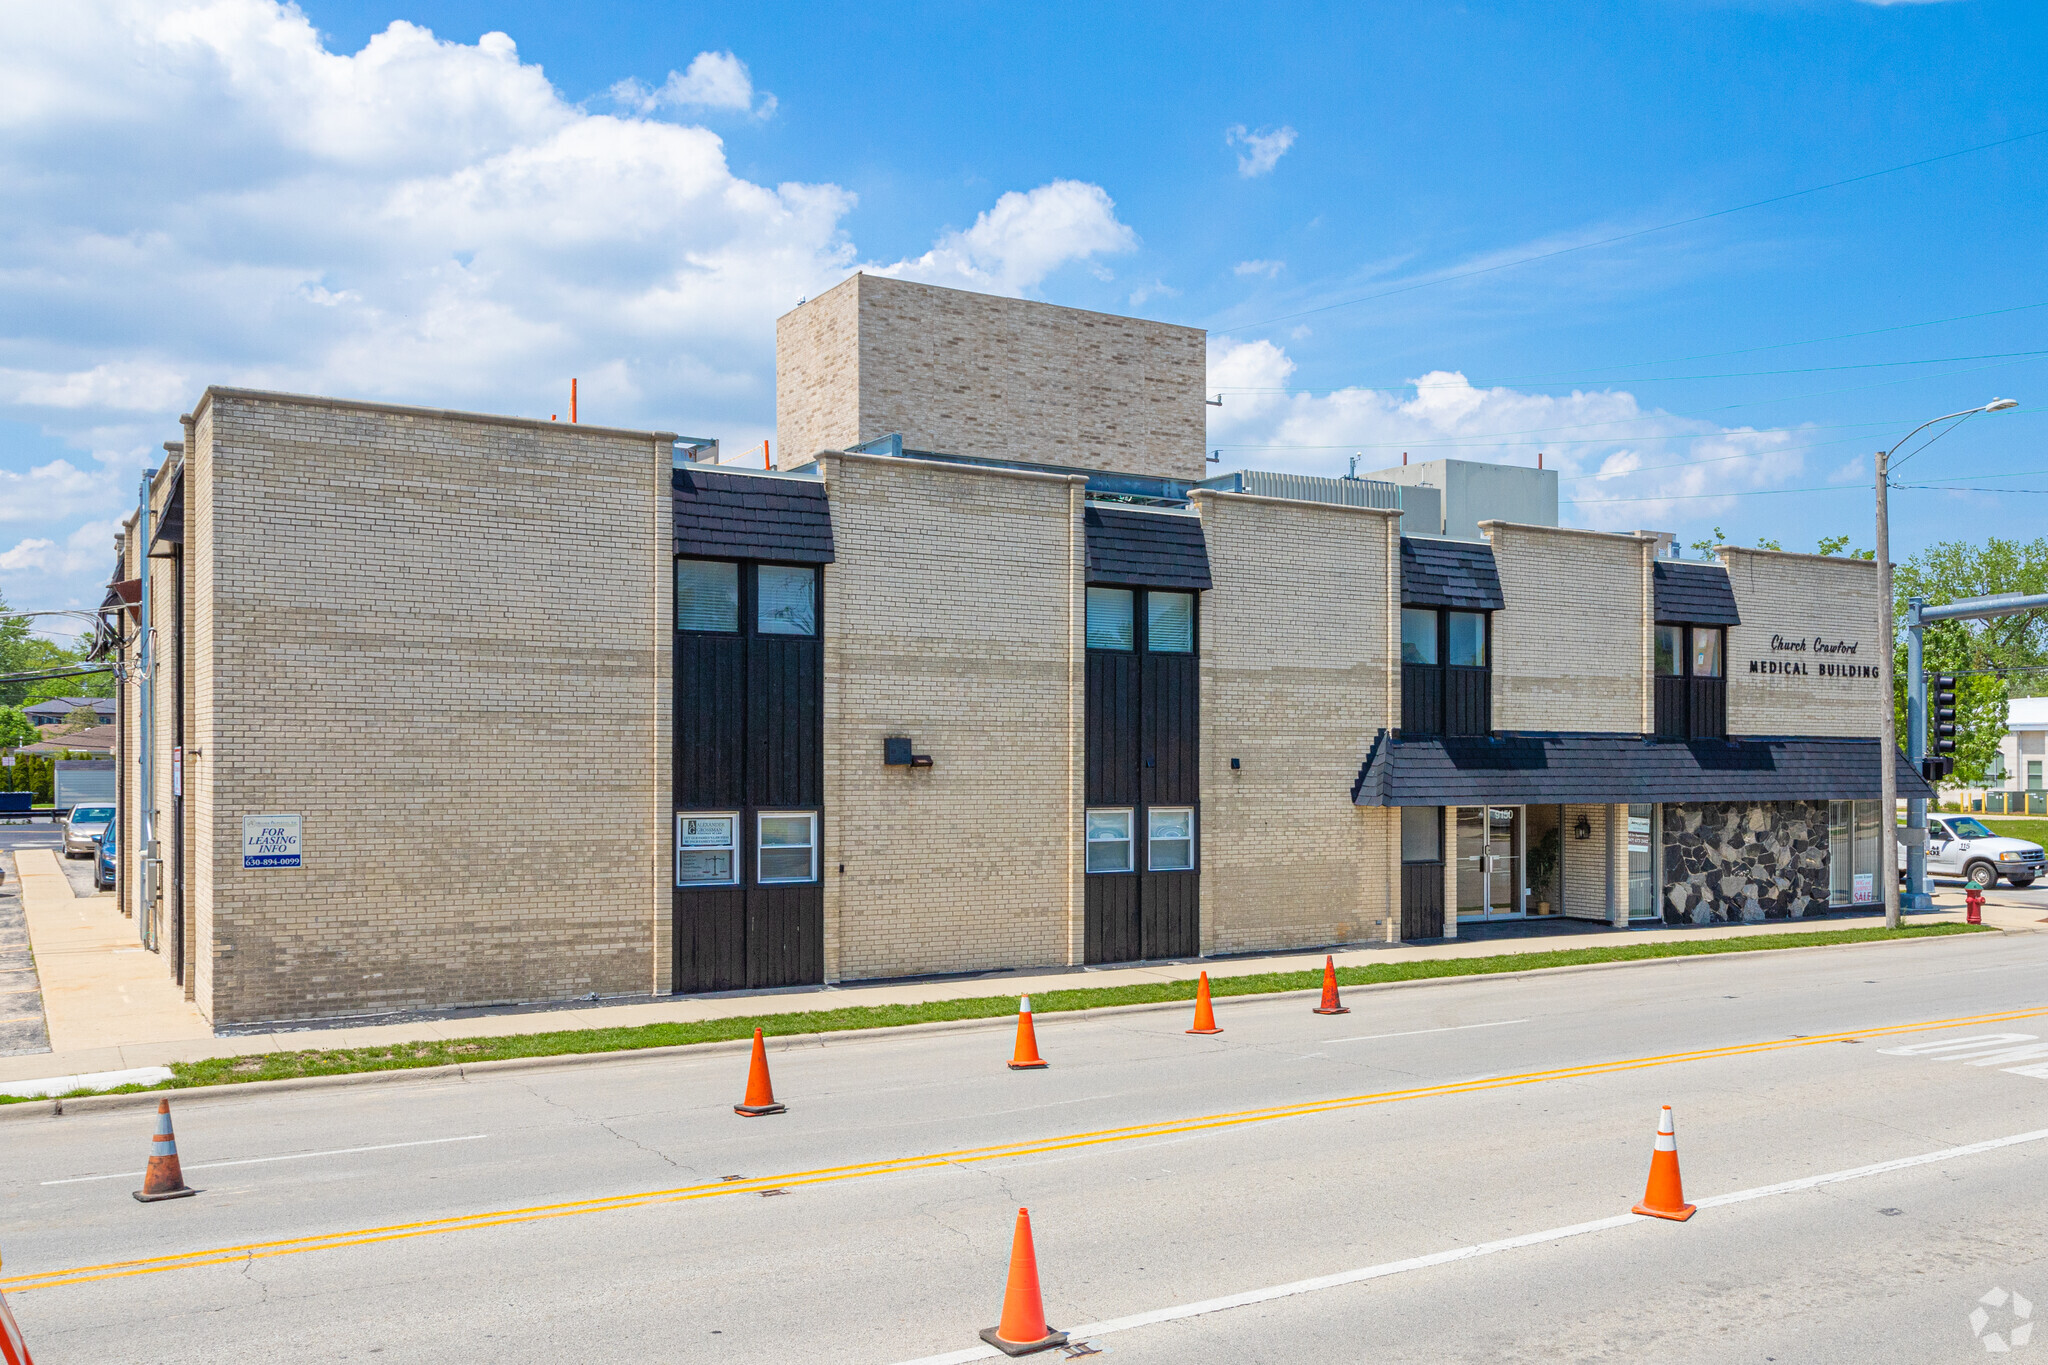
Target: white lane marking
(258,1160)
(1466,1253)
(1416,1033)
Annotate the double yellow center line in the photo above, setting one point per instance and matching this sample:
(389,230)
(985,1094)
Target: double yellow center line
(292,1246)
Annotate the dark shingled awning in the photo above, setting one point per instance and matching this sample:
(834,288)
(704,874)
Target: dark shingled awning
(1449,573)
(170,523)
(721,515)
(1693,594)
(1549,769)
(1146,549)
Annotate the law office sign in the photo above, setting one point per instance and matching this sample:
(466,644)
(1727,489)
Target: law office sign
(270,841)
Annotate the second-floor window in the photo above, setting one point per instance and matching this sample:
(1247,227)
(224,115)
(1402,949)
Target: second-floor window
(1446,674)
(1691,693)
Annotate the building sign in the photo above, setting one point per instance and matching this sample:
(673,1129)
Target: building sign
(1865,890)
(1639,834)
(706,850)
(270,841)
(177,770)
(1809,659)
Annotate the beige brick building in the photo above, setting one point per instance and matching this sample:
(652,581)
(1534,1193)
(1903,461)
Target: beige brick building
(1011,690)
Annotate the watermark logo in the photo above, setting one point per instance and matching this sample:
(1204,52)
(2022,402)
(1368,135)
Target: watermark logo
(2014,1314)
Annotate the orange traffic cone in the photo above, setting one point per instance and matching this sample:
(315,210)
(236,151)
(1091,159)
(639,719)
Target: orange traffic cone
(1023,1328)
(13,1350)
(1026,1057)
(760,1094)
(1665,1196)
(1331,1004)
(1205,1015)
(162,1179)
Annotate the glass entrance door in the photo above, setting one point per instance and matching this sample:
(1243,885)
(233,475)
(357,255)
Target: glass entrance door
(1490,852)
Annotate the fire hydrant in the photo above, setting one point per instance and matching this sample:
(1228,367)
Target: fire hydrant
(1973,901)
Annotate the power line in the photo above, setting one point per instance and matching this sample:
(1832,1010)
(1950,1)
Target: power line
(1669,378)
(1639,232)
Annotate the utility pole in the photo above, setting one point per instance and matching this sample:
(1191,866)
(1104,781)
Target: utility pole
(1888,777)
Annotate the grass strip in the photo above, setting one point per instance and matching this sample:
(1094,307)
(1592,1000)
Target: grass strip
(277,1066)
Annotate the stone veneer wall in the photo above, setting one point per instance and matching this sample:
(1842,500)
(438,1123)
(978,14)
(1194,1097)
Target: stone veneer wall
(1745,861)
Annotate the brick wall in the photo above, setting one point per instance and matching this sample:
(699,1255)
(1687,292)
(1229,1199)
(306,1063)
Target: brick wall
(1296,681)
(817,376)
(1815,603)
(1571,649)
(953,615)
(401,618)
(973,374)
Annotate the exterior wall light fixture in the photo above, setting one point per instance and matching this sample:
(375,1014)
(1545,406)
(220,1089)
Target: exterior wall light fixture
(896,754)
(1583,829)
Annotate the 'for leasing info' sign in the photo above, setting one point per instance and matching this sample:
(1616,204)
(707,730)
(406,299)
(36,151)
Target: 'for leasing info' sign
(270,841)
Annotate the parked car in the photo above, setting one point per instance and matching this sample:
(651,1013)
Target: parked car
(103,858)
(1963,846)
(82,829)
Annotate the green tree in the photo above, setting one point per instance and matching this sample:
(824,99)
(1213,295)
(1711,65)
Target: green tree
(1992,660)
(24,652)
(1706,546)
(15,729)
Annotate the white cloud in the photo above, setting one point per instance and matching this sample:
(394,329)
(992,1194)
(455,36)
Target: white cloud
(1262,149)
(1158,289)
(715,80)
(1023,239)
(1270,269)
(199,191)
(1622,465)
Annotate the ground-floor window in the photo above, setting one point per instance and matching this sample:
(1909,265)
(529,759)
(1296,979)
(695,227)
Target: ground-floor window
(1853,854)
(1642,862)
(788,848)
(707,849)
(1170,838)
(1109,840)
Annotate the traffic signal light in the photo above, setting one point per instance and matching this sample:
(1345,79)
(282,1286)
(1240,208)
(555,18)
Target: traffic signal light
(1934,769)
(1941,713)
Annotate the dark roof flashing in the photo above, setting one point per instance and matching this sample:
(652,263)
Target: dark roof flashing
(1131,548)
(1459,574)
(722,514)
(1693,594)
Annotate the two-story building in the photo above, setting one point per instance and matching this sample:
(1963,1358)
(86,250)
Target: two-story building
(990,672)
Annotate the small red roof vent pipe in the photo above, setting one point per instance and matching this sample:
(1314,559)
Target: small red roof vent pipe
(572,400)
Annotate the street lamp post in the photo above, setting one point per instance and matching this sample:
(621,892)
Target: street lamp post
(1888,779)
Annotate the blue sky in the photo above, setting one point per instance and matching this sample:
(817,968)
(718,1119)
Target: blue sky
(387,201)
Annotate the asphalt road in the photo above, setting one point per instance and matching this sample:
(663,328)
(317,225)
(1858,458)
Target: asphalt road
(591,1217)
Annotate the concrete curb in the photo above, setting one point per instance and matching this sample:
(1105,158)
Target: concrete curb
(95,1104)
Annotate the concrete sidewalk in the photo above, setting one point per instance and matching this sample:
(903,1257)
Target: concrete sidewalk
(113,1007)
(101,989)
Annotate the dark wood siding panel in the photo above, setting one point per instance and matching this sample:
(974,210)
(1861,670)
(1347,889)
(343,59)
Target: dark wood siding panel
(1669,706)
(1422,699)
(1422,900)
(1171,913)
(710,939)
(1111,918)
(1709,709)
(710,710)
(1170,724)
(785,734)
(785,935)
(1468,701)
(1112,728)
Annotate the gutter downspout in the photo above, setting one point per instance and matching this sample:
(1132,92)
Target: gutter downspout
(146,699)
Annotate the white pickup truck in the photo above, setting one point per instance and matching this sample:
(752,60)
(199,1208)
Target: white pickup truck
(1962,846)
